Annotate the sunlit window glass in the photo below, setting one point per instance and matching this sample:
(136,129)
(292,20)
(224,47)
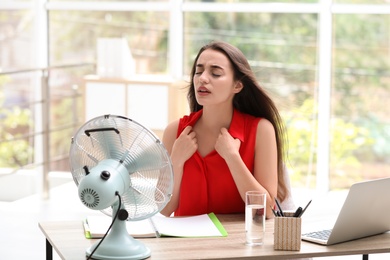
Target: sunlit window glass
(74,37)
(16,95)
(255,1)
(15,39)
(371,2)
(360,117)
(111,0)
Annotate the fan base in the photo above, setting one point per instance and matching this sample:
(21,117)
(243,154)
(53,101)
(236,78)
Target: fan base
(111,254)
(126,250)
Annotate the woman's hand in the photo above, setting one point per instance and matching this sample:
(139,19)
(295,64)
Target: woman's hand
(226,145)
(184,146)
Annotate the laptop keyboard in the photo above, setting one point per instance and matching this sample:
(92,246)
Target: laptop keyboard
(323,234)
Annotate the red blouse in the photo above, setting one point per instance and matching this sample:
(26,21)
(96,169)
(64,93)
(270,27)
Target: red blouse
(207,185)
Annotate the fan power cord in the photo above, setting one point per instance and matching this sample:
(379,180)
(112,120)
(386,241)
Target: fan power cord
(109,228)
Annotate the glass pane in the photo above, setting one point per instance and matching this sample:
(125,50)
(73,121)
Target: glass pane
(66,105)
(74,36)
(16,92)
(360,145)
(362,2)
(17,106)
(110,0)
(10,1)
(282,50)
(255,1)
(16,39)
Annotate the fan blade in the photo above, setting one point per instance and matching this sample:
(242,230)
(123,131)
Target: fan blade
(148,188)
(139,158)
(147,159)
(80,149)
(137,203)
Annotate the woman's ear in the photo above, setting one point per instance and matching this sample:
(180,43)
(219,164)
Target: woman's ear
(238,87)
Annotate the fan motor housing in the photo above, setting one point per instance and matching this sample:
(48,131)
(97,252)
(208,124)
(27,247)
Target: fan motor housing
(98,189)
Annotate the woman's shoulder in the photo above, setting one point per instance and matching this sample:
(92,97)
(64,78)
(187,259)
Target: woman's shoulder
(262,126)
(170,133)
(265,128)
(172,125)
(246,119)
(260,121)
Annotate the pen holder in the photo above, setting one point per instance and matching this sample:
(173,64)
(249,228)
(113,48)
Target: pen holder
(287,233)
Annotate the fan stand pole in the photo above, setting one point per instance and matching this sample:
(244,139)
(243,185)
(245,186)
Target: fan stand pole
(118,244)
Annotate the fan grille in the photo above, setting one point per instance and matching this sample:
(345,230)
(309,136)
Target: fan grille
(90,198)
(142,153)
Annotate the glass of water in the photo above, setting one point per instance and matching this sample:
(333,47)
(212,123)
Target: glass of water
(255,217)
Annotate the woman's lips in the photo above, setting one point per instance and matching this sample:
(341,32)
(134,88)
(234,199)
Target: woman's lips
(203,91)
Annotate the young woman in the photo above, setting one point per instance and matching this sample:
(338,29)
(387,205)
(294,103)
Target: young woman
(232,141)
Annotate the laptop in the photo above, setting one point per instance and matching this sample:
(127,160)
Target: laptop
(365,212)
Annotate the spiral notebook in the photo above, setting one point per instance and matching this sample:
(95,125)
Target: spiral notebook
(206,225)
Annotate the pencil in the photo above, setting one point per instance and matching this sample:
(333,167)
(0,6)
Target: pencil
(280,208)
(273,211)
(305,209)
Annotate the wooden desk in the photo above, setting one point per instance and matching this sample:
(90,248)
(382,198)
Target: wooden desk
(67,238)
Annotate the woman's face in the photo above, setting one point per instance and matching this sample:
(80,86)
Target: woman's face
(214,79)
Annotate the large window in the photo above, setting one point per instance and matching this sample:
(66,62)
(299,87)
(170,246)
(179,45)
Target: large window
(326,64)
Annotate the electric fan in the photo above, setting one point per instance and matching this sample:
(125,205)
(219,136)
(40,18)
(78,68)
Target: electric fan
(122,169)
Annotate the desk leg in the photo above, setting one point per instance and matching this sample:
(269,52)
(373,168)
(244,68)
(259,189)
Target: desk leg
(49,250)
(365,257)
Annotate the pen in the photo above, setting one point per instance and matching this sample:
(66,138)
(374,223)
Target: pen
(304,209)
(280,209)
(297,212)
(273,211)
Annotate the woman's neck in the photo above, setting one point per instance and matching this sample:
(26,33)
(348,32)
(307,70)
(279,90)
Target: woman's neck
(208,128)
(216,118)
